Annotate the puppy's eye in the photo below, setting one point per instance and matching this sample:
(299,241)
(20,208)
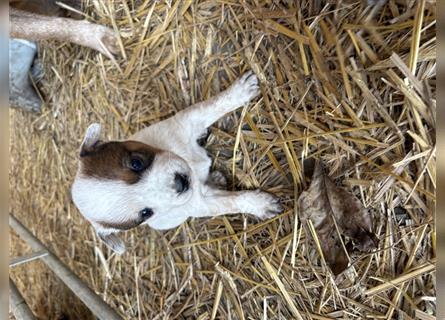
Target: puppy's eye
(145,213)
(136,164)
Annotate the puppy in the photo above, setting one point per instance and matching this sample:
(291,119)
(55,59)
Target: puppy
(160,175)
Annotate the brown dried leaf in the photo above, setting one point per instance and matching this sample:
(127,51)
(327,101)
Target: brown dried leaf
(328,205)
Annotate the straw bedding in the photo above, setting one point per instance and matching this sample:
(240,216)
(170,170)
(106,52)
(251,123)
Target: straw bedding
(349,84)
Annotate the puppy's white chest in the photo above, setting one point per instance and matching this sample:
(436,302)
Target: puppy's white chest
(200,163)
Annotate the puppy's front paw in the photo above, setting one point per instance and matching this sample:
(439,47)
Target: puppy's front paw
(245,88)
(265,205)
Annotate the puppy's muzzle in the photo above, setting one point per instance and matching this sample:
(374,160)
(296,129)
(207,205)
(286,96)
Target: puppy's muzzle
(182,182)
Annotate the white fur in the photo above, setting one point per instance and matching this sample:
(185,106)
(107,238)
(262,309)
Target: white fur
(115,201)
(91,135)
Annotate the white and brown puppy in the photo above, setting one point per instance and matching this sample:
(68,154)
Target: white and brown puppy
(160,176)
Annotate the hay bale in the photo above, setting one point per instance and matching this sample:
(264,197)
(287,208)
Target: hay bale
(349,84)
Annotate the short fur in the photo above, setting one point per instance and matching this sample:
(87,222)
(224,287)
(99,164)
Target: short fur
(112,197)
(33,26)
(112,160)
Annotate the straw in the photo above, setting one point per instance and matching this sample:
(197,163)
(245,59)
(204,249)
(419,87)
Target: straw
(349,84)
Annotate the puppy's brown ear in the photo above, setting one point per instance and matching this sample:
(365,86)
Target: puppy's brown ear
(112,241)
(91,138)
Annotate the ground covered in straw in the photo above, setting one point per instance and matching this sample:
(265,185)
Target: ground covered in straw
(348,84)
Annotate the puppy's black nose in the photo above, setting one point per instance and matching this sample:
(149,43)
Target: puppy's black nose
(182,182)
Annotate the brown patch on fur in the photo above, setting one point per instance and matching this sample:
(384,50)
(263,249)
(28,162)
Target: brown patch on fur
(112,160)
(47,7)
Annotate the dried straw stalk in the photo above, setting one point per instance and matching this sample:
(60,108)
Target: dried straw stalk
(348,84)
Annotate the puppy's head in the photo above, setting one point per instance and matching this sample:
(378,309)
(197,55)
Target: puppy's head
(122,184)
